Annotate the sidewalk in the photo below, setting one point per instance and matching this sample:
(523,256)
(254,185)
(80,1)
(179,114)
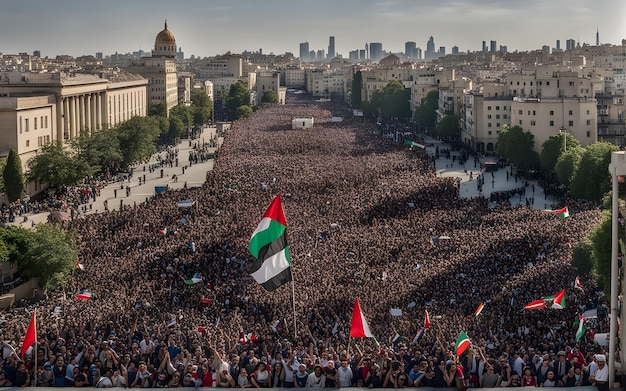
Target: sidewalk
(114,194)
(467,174)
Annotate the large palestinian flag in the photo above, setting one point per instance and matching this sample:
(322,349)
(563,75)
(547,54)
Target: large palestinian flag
(268,244)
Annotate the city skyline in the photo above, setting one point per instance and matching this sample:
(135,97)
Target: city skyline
(208,28)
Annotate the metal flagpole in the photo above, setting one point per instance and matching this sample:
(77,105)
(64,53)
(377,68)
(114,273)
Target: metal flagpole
(293,300)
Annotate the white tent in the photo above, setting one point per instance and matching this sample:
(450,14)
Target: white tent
(302,123)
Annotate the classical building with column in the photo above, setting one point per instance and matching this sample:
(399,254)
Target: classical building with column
(38,108)
(160,70)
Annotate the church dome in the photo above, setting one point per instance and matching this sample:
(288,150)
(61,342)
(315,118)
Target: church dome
(165,37)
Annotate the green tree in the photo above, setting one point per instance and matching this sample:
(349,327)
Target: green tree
(183,113)
(137,139)
(426,113)
(157,109)
(243,112)
(13,176)
(238,96)
(392,100)
(516,146)
(3,164)
(592,180)
(57,166)
(51,255)
(554,147)
(357,83)
(177,128)
(600,236)
(99,149)
(269,96)
(201,107)
(448,128)
(567,164)
(582,256)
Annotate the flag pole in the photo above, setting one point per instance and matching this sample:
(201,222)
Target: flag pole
(34,381)
(293,300)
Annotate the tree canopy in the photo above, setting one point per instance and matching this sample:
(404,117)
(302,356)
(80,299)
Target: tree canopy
(426,112)
(269,96)
(448,128)
(592,180)
(554,147)
(516,146)
(58,166)
(137,137)
(568,164)
(237,97)
(355,97)
(393,100)
(201,107)
(13,176)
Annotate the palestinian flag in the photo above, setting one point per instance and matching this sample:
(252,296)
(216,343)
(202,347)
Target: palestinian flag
(359,327)
(31,335)
(533,305)
(462,343)
(582,329)
(418,336)
(559,300)
(80,267)
(479,309)
(163,231)
(268,244)
(194,280)
(578,285)
(562,213)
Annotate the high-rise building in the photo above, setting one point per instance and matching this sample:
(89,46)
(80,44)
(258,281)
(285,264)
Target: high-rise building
(545,49)
(37,53)
(304,52)
(331,47)
(362,54)
(418,53)
(320,55)
(353,54)
(409,49)
(570,44)
(484,46)
(492,46)
(99,55)
(442,51)
(376,51)
(558,44)
(455,50)
(597,37)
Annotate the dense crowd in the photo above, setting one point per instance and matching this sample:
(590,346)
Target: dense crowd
(362,212)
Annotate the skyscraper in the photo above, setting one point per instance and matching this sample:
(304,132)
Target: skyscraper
(304,52)
(570,44)
(376,51)
(484,46)
(331,47)
(492,46)
(409,50)
(597,37)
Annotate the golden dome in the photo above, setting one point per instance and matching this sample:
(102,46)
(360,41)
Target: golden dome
(165,37)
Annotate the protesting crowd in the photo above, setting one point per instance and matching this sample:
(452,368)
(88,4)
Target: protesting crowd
(172,303)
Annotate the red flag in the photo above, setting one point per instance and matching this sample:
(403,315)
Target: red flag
(479,309)
(533,305)
(426,320)
(31,335)
(206,300)
(359,327)
(200,329)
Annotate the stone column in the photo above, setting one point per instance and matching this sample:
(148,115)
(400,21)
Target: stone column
(74,108)
(88,109)
(66,119)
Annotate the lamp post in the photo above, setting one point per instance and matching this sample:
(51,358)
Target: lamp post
(616,168)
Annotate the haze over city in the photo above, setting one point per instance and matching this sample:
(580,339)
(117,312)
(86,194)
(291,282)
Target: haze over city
(207,28)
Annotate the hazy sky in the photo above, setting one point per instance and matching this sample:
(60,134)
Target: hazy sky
(210,27)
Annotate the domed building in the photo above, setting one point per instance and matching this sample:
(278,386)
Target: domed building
(164,44)
(160,70)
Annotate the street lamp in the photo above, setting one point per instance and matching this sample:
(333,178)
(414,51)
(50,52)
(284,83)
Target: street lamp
(617,168)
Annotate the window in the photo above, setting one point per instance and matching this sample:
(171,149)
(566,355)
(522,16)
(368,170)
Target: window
(498,125)
(40,141)
(489,125)
(497,116)
(532,123)
(20,125)
(520,112)
(505,116)
(588,122)
(588,112)
(497,107)
(547,83)
(26,125)
(551,123)
(551,112)
(570,123)
(28,143)
(534,112)
(35,123)
(588,134)
(571,112)
(488,116)
(520,122)
(489,132)
(488,107)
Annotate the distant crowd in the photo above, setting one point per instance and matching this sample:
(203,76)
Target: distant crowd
(362,212)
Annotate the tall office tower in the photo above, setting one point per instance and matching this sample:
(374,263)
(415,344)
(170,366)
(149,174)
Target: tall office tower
(545,49)
(570,44)
(455,50)
(304,52)
(331,47)
(597,37)
(558,44)
(99,55)
(409,49)
(320,55)
(484,46)
(430,45)
(418,53)
(442,51)
(37,53)
(353,54)
(376,51)
(492,46)
(362,54)
(504,49)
